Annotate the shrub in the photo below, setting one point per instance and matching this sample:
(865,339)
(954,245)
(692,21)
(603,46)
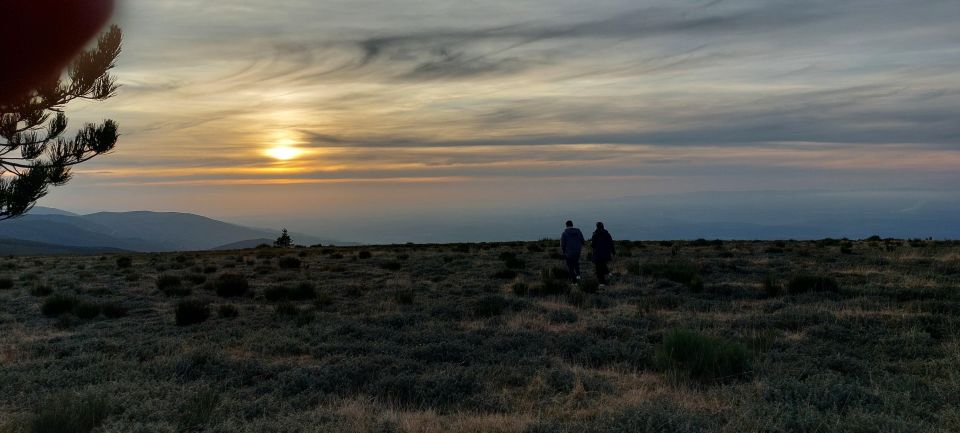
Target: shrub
(70,413)
(392,266)
(197,411)
(519,287)
(86,310)
(590,285)
(323,300)
(363,255)
(562,316)
(577,298)
(489,306)
(209,269)
(113,310)
(304,290)
(403,297)
(231,285)
(124,262)
(535,248)
(286,309)
(227,311)
(191,312)
(41,290)
(171,285)
(57,305)
(6,283)
(771,286)
(812,283)
(289,262)
(505,274)
(701,357)
(676,271)
(195,278)
(511,261)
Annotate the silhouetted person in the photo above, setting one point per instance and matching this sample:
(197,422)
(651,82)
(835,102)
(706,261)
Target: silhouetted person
(603,252)
(571,243)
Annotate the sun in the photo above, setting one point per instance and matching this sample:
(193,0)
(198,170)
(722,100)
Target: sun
(284,150)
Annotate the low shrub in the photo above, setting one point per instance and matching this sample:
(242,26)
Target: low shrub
(58,305)
(70,413)
(6,283)
(505,274)
(227,311)
(363,255)
(41,290)
(562,316)
(577,298)
(288,262)
(701,357)
(113,310)
(771,286)
(191,312)
(231,285)
(812,283)
(519,287)
(171,285)
(86,310)
(403,297)
(195,278)
(197,411)
(489,306)
(286,309)
(677,271)
(590,285)
(323,300)
(124,262)
(392,266)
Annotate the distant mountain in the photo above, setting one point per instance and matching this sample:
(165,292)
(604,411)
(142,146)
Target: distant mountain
(43,210)
(242,245)
(19,247)
(136,231)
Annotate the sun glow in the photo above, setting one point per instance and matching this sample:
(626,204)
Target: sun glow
(284,150)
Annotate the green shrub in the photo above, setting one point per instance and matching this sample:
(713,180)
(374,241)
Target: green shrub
(505,274)
(70,413)
(392,266)
(197,411)
(58,305)
(6,283)
(489,306)
(171,285)
(323,300)
(677,271)
(363,255)
(113,310)
(701,357)
(771,286)
(590,285)
(403,297)
(124,262)
(577,298)
(231,285)
(519,287)
(562,316)
(195,278)
(86,310)
(191,312)
(286,309)
(511,261)
(227,311)
(41,290)
(812,283)
(303,291)
(289,262)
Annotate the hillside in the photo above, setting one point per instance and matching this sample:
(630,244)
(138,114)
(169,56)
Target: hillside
(826,336)
(135,231)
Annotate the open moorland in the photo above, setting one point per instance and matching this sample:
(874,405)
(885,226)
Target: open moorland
(701,336)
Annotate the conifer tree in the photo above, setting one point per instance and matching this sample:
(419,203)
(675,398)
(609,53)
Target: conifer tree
(284,240)
(34,154)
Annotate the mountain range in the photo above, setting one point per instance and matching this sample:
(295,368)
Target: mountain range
(52,231)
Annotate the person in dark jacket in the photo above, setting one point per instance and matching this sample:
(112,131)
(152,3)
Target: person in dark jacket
(571,243)
(603,252)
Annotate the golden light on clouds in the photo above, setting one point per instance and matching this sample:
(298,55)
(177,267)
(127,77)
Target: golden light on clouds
(284,147)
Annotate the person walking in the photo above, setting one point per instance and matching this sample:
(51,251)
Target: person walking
(571,243)
(603,252)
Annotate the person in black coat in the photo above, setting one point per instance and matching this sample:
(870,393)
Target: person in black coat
(603,251)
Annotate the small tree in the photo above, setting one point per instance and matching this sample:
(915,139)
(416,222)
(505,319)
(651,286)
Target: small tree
(284,240)
(33,153)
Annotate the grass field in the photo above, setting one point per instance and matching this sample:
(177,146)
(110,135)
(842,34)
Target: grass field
(827,336)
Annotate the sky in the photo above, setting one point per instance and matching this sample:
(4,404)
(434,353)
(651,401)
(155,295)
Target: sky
(318,114)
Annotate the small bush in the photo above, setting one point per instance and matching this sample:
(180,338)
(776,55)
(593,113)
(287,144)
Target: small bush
(58,305)
(197,411)
(590,285)
(535,248)
(286,309)
(303,291)
(577,298)
(289,262)
(171,285)
(195,278)
(771,286)
(113,310)
(231,285)
(124,262)
(41,290)
(403,297)
(676,271)
(392,266)
(489,306)
(519,287)
(363,255)
(701,357)
(227,311)
(812,283)
(6,283)
(562,316)
(70,413)
(323,300)
(191,312)
(86,310)
(505,274)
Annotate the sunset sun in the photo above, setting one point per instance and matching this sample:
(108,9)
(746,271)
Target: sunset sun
(284,150)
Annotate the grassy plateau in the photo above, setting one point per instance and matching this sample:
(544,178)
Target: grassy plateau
(690,336)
